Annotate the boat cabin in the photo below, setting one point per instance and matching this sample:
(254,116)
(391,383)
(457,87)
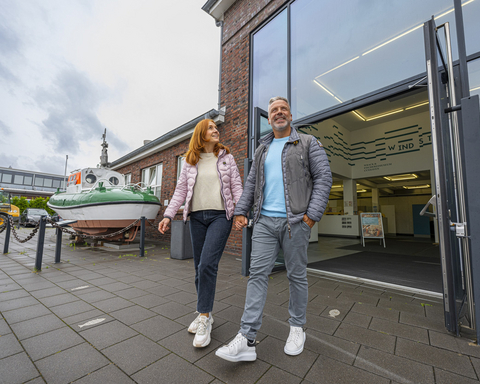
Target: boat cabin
(89,178)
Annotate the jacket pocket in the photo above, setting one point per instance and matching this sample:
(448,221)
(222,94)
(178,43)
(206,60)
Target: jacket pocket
(299,194)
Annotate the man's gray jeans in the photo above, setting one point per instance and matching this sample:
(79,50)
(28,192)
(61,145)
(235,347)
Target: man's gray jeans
(269,234)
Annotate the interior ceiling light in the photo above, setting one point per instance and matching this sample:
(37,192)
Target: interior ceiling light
(361,190)
(385,114)
(416,105)
(406,176)
(337,186)
(358,115)
(474,89)
(390,112)
(416,186)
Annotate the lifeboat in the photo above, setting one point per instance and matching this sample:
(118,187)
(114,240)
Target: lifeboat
(101,203)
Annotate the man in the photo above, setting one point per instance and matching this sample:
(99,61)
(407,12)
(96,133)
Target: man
(288,186)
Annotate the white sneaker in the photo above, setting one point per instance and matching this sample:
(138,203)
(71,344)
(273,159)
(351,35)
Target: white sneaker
(239,349)
(295,341)
(194,325)
(202,337)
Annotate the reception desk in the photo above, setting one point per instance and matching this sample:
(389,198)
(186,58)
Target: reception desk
(339,225)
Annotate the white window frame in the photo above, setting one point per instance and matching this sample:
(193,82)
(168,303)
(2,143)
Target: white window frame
(152,177)
(180,164)
(128,178)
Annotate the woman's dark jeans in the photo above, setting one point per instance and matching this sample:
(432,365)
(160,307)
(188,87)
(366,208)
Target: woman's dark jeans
(209,231)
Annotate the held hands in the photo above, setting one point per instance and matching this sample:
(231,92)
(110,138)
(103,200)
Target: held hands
(240,222)
(309,221)
(164,225)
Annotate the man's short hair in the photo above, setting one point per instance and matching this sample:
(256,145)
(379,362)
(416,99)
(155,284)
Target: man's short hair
(273,99)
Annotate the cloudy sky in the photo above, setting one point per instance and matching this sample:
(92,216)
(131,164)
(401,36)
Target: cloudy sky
(71,68)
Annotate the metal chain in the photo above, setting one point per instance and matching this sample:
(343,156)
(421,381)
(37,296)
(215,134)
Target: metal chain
(64,229)
(33,233)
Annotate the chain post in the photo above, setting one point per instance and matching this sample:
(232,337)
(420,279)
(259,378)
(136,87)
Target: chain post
(7,236)
(40,244)
(58,246)
(142,237)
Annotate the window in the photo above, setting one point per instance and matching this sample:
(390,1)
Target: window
(91,178)
(57,183)
(344,49)
(269,66)
(180,163)
(128,178)
(39,181)
(152,177)
(27,180)
(18,179)
(7,178)
(474,77)
(47,182)
(113,180)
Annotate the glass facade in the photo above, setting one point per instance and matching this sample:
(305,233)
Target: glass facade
(474,77)
(269,65)
(342,50)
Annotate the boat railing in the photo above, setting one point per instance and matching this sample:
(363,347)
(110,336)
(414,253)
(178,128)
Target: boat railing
(140,186)
(101,180)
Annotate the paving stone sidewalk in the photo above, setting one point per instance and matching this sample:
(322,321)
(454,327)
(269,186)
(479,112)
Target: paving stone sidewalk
(105,316)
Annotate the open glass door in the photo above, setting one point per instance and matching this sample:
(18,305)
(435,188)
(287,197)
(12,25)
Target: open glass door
(449,194)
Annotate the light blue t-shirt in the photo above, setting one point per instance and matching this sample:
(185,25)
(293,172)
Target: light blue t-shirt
(273,191)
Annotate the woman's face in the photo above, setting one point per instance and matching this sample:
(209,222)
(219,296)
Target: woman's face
(212,135)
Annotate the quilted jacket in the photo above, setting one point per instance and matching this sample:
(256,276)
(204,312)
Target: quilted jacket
(316,167)
(230,186)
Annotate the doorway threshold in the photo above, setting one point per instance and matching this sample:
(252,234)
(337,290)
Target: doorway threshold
(376,283)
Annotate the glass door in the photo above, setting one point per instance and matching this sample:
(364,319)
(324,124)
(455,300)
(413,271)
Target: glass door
(450,205)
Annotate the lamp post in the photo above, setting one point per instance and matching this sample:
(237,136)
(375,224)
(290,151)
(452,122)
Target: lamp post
(65,174)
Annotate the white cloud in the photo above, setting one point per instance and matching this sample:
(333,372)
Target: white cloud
(139,68)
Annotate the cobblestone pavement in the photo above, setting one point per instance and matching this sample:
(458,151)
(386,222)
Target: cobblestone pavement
(106,316)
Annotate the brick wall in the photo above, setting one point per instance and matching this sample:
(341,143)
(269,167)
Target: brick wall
(240,20)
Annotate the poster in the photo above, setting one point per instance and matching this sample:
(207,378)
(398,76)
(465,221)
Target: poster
(372,226)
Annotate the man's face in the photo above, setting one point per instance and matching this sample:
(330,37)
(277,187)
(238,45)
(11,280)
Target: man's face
(279,116)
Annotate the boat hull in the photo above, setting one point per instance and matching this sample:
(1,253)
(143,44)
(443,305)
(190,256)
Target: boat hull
(100,213)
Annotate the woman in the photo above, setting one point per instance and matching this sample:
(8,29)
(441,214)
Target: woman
(208,184)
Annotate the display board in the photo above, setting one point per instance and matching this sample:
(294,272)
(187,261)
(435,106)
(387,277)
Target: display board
(372,227)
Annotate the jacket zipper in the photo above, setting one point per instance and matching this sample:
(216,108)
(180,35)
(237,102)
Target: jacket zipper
(285,195)
(221,187)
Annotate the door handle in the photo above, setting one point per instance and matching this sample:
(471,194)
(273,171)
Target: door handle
(424,211)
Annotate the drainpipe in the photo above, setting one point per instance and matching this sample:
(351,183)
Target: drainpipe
(220,24)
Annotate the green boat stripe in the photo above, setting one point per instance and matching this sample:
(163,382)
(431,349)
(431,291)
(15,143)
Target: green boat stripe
(58,207)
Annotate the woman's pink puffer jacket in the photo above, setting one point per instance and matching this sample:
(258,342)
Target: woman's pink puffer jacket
(230,186)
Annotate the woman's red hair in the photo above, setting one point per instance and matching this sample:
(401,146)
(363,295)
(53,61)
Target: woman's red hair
(197,143)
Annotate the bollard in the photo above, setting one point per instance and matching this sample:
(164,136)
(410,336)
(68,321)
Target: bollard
(41,242)
(58,246)
(142,237)
(7,236)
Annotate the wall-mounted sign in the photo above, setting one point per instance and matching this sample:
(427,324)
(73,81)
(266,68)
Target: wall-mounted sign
(372,226)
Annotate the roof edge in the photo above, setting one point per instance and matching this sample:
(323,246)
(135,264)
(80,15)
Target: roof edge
(217,116)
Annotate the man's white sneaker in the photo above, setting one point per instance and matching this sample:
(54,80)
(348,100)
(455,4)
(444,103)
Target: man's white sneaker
(194,325)
(295,341)
(202,337)
(239,349)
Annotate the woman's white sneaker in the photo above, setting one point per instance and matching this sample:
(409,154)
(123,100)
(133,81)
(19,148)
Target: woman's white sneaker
(295,341)
(194,325)
(239,349)
(202,336)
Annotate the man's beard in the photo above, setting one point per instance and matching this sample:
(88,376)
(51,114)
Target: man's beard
(283,127)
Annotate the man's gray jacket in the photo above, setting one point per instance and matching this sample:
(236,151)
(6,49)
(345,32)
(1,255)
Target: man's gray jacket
(306,176)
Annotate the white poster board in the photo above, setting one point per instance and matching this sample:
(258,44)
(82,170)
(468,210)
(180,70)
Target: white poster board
(372,226)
